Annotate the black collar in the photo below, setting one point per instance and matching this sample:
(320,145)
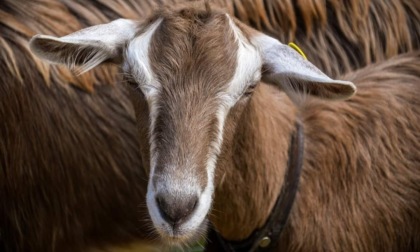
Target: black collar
(266,238)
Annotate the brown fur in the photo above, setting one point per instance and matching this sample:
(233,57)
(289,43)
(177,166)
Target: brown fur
(337,36)
(201,77)
(91,194)
(71,173)
(360,181)
(71,176)
(360,184)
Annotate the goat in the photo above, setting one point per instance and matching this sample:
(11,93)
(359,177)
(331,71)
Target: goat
(84,125)
(71,176)
(214,130)
(337,36)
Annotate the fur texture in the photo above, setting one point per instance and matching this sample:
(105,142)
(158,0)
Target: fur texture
(336,37)
(71,176)
(360,184)
(72,173)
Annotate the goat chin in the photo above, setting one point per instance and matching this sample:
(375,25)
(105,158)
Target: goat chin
(50,134)
(185,239)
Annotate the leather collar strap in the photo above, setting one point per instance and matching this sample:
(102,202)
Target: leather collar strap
(267,237)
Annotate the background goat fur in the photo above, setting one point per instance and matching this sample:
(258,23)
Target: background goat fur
(360,182)
(71,176)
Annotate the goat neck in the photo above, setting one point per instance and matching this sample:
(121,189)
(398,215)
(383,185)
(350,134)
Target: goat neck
(254,159)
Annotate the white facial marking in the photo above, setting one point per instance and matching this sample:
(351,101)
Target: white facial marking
(249,62)
(138,61)
(139,66)
(247,72)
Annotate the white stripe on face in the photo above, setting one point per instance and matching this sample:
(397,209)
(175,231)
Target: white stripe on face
(247,71)
(249,62)
(138,65)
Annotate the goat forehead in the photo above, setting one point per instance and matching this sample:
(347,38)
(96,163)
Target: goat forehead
(190,53)
(178,52)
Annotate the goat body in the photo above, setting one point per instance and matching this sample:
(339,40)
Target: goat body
(360,183)
(72,176)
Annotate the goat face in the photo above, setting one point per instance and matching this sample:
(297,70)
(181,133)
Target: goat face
(188,78)
(189,68)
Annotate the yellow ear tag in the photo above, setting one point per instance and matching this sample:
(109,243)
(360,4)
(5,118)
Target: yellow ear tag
(297,49)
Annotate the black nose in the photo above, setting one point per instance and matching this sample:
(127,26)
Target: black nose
(176,210)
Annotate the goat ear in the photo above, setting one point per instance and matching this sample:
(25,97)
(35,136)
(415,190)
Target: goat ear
(88,47)
(286,68)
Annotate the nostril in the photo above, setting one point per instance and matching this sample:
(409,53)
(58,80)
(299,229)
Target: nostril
(176,210)
(164,209)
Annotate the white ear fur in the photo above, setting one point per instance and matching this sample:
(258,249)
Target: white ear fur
(288,69)
(88,47)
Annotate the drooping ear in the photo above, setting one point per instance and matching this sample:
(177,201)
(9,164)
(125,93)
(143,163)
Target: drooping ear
(88,47)
(286,68)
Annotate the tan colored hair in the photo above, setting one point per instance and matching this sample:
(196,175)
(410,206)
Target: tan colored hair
(70,160)
(336,38)
(360,181)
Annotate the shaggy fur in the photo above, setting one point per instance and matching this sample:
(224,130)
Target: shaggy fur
(337,36)
(72,176)
(360,184)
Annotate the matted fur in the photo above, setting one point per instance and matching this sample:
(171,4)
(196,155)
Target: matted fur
(70,163)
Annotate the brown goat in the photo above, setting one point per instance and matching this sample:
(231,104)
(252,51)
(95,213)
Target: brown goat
(71,173)
(360,184)
(90,137)
(194,72)
(338,36)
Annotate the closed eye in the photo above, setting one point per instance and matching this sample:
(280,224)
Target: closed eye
(133,85)
(250,89)
(144,88)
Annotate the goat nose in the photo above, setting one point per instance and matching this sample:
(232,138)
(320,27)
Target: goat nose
(176,210)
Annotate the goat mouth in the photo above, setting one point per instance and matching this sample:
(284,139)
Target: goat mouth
(179,235)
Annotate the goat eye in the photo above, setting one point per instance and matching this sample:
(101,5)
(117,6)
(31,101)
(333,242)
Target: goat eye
(132,84)
(250,89)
